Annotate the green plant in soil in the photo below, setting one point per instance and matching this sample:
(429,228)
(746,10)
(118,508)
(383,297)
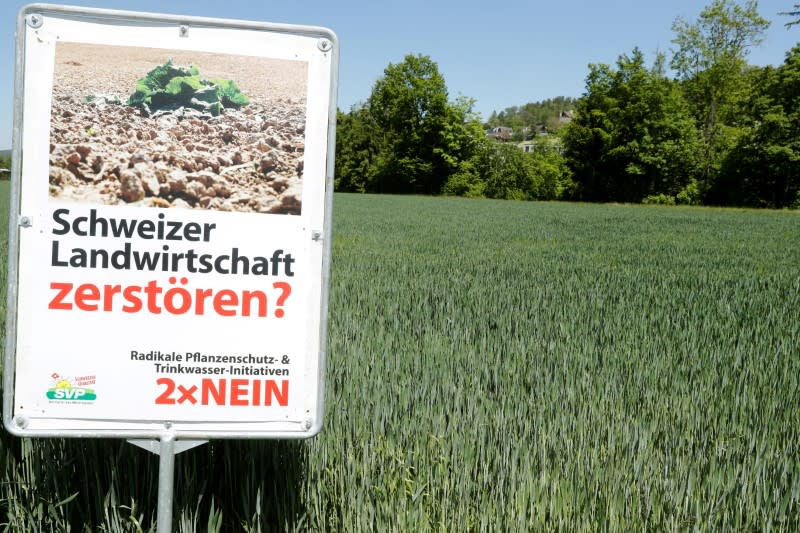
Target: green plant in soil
(168,88)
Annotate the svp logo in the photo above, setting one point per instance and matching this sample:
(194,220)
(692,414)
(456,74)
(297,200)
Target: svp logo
(75,389)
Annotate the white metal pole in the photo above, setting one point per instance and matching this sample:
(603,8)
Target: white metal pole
(166,480)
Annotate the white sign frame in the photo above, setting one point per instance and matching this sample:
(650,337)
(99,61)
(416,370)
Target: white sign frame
(93,346)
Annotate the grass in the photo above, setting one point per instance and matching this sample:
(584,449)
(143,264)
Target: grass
(503,366)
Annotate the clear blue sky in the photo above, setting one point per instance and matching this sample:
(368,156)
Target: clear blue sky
(501,53)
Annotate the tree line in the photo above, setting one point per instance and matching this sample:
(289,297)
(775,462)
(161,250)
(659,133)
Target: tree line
(700,127)
(409,138)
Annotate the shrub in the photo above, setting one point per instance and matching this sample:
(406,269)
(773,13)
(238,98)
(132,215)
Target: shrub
(690,195)
(659,199)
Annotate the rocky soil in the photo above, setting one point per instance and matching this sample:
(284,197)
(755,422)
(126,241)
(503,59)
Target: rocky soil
(247,159)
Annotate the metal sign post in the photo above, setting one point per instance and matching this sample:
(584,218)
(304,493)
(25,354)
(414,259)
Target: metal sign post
(166,482)
(172,189)
(166,448)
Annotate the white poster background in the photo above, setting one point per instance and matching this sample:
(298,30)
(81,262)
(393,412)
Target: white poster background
(92,350)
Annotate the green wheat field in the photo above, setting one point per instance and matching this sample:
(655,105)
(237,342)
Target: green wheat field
(501,366)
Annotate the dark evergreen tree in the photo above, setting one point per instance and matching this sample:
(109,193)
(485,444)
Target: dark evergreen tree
(358,142)
(633,135)
(764,168)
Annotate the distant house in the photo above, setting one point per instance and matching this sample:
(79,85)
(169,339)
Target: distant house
(566,116)
(500,133)
(548,143)
(540,130)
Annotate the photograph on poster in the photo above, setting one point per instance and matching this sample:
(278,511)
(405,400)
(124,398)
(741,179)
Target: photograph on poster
(171,128)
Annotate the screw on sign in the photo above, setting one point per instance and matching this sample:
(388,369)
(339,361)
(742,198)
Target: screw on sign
(34,20)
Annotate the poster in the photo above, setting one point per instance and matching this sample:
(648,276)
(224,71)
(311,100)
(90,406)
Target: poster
(174,207)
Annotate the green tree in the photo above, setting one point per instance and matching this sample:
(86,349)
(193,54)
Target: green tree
(467,180)
(588,139)
(423,136)
(493,121)
(357,145)
(794,13)
(710,61)
(632,136)
(502,166)
(502,170)
(548,175)
(764,168)
(495,170)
